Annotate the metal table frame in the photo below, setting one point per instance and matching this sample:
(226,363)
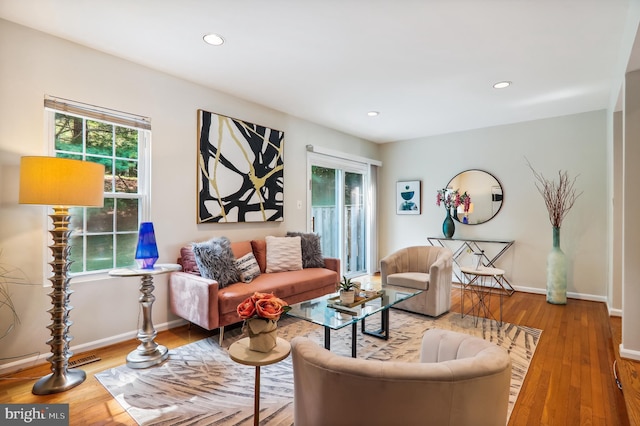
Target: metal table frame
(323,313)
(476,283)
(475,246)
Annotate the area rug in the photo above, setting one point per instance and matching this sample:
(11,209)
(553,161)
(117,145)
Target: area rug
(200,385)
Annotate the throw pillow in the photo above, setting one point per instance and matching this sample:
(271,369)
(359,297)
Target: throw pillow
(311,249)
(215,261)
(188,261)
(248,267)
(283,254)
(259,248)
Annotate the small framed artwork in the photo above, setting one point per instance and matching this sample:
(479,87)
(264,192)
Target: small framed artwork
(408,197)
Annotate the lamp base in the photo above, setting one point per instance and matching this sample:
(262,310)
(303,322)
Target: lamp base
(61,379)
(139,359)
(58,382)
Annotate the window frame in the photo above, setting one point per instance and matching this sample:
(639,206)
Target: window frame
(143,194)
(343,165)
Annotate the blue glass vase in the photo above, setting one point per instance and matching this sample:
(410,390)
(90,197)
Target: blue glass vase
(448,227)
(147,250)
(556,272)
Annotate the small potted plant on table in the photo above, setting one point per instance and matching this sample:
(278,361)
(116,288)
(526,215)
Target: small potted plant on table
(347,290)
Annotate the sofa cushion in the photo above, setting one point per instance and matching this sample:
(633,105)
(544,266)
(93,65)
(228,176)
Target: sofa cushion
(216,261)
(188,260)
(311,249)
(417,280)
(283,254)
(259,248)
(248,267)
(286,285)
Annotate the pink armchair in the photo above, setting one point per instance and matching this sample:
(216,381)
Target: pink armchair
(460,380)
(422,267)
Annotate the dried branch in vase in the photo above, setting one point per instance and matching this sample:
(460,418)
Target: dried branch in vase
(559,196)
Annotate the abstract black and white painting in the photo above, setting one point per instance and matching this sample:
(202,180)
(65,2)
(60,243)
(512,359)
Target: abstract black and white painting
(240,170)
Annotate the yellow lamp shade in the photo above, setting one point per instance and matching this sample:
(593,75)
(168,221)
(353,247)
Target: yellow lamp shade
(61,182)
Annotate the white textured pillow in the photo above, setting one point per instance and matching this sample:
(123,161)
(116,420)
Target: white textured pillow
(248,267)
(283,254)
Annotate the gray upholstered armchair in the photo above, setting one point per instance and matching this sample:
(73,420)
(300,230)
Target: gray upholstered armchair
(422,267)
(460,380)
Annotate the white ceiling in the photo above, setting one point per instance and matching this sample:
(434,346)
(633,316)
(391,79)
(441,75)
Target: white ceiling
(428,66)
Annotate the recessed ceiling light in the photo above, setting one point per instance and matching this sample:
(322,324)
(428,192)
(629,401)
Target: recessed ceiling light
(213,39)
(373,113)
(502,84)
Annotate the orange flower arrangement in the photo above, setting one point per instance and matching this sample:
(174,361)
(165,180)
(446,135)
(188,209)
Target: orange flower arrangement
(262,305)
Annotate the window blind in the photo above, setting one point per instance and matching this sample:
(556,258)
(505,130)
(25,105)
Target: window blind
(97,113)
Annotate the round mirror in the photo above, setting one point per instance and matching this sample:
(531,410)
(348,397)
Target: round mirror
(485,192)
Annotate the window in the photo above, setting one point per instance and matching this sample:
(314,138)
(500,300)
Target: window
(339,214)
(342,195)
(104,238)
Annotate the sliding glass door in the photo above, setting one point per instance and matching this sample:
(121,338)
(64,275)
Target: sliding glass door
(338,211)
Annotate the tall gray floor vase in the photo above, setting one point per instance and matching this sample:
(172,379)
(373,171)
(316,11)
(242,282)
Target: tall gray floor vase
(556,272)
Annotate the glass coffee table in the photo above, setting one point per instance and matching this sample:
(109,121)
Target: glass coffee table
(332,316)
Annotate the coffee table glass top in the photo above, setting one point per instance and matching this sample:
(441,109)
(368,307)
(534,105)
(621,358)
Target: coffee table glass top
(319,310)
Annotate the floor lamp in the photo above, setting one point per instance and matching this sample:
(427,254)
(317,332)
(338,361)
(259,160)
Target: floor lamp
(60,183)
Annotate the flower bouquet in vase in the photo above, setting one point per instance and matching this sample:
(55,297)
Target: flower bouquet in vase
(451,199)
(261,313)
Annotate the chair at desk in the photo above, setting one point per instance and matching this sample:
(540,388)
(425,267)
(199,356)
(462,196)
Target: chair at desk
(422,267)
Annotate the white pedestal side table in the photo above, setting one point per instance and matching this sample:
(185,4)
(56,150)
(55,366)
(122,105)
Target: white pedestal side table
(148,353)
(240,353)
(480,282)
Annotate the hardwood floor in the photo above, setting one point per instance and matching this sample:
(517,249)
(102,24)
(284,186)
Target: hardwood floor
(570,380)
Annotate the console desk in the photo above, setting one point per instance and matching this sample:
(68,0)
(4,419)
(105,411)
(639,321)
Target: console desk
(461,245)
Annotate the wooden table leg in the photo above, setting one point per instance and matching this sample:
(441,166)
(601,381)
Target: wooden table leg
(256,400)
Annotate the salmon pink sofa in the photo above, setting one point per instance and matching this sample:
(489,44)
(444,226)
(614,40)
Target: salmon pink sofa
(204,302)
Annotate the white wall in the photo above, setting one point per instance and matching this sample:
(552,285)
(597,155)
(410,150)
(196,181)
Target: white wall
(630,347)
(33,64)
(615,189)
(575,143)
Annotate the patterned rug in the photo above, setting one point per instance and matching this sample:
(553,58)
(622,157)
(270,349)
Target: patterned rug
(200,385)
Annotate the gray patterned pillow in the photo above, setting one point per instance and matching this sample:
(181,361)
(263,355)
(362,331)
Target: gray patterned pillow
(215,261)
(311,249)
(248,267)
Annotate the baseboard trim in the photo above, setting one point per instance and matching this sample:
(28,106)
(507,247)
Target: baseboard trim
(615,312)
(570,295)
(41,358)
(629,353)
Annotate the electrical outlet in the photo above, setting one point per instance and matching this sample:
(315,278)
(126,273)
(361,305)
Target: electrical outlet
(299,205)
